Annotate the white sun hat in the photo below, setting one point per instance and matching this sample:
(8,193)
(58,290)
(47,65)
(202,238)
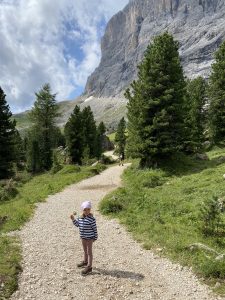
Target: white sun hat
(86,204)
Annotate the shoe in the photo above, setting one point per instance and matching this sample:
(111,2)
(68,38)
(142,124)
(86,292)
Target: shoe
(86,271)
(82,264)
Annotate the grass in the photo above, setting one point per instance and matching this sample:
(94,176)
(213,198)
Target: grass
(111,136)
(20,209)
(161,208)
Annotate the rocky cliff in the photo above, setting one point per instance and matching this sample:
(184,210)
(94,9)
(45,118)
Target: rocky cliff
(199,26)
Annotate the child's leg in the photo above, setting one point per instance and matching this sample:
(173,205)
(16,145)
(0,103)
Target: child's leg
(89,251)
(85,247)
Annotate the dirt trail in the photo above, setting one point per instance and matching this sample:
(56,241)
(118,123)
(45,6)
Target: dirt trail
(122,269)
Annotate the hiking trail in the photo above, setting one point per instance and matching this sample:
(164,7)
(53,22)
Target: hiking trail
(121,268)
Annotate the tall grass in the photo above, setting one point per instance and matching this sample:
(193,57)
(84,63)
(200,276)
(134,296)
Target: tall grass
(162,207)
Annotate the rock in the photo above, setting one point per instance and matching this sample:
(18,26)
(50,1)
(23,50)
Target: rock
(202,156)
(220,257)
(199,26)
(217,285)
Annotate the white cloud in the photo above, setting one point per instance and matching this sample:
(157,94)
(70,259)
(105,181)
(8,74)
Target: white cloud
(33,49)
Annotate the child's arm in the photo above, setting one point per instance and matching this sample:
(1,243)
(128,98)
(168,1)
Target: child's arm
(75,222)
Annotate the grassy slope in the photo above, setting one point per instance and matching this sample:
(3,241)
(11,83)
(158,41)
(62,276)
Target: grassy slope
(20,209)
(162,210)
(112,137)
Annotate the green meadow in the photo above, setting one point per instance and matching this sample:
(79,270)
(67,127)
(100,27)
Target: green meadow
(162,208)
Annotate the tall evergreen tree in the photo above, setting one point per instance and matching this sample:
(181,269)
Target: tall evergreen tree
(43,115)
(217,98)
(195,101)
(75,136)
(19,150)
(101,128)
(7,132)
(89,131)
(120,137)
(155,107)
(33,155)
(100,137)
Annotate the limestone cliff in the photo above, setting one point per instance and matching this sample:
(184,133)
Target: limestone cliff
(198,25)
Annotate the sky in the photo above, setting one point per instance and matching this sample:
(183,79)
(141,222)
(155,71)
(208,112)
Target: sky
(45,41)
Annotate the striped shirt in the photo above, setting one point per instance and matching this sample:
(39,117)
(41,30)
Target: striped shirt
(87,227)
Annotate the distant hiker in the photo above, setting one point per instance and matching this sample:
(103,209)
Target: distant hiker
(88,233)
(121,159)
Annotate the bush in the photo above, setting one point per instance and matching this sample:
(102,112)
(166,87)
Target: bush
(69,169)
(97,169)
(8,191)
(211,216)
(107,160)
(213,268)
(22,177)
(88,161)
(153,180)
(111,205)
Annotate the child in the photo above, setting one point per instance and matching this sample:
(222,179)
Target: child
(88,233)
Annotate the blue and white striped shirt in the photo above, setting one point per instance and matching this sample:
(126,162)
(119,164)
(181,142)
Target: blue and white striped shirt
(87,227)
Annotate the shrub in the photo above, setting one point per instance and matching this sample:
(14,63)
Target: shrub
(97,169)
(213,268)
(88,161)
(22,177)
(107,160)
(8,191)
(153,180)
(111,205)
(211,216)
(69,169)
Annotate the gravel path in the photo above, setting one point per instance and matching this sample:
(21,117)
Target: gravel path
(122,269)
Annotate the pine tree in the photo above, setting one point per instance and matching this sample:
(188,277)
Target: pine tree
(89,131)
(75,136)
(155,107)
(120,137)
(195,120)
(33,155)
(7,132)
(100,136)
(19,150)
(101,128)
(217,98)
(43,115)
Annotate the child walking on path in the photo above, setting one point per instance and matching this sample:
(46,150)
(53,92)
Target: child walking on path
(88,233)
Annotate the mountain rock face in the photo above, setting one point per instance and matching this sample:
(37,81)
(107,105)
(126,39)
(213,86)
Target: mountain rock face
(198,25)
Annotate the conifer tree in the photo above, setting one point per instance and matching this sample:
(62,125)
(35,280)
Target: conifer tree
(74,134)
(155,107)
(33,155)
(19,150)
(217,98)
(120,137)
(101,128)
(89,131)
(100,135)
(43,115)
(7,132)
(195,101)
